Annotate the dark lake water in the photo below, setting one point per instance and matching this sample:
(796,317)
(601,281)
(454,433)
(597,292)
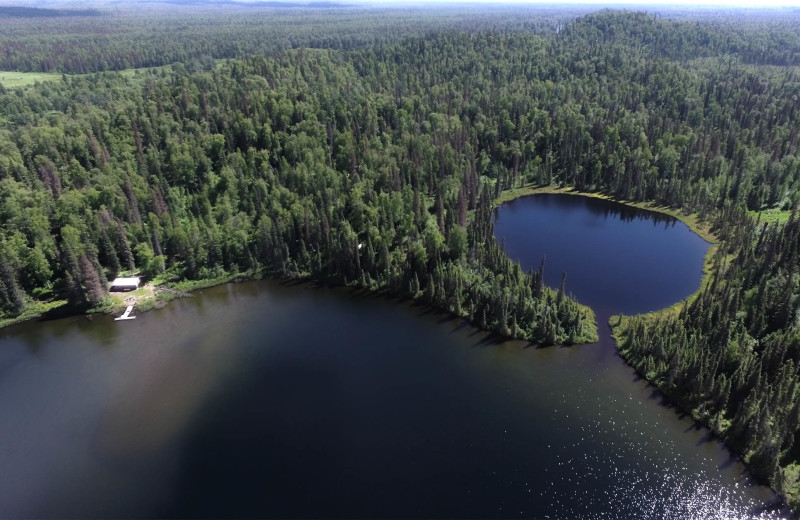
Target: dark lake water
(618,259)
(269,400)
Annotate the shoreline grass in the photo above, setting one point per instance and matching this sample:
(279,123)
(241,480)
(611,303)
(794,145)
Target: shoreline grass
(35,310)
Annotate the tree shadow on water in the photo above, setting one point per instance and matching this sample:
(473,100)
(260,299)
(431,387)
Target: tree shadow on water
(294,282)
(542,346)
(663,400)
(694,427)
(447,318)
(359,293)
(62,311)
(475,332)
(707,437)
(424,310)
(463,324)
(491,339)
(730,461)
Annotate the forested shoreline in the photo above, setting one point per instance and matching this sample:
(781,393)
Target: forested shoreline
(375,162)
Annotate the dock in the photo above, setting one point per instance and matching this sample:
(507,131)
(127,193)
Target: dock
(126,315)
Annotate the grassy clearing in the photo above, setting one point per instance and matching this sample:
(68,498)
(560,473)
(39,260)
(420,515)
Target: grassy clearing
(10,79)
(144,297)
(772,216)
(141,73)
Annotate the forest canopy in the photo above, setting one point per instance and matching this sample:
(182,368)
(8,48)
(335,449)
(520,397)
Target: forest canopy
(349,148)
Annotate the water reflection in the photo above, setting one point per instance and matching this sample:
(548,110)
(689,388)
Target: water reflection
(617,260)
(272,400)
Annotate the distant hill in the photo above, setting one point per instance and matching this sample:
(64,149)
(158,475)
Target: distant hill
(265,3)
(37,12)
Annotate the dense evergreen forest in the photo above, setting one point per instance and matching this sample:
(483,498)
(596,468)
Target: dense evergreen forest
(371,155)
(194,35)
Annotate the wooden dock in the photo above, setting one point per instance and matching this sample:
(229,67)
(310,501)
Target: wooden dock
(126,315)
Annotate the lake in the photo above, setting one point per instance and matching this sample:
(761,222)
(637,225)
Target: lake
(618,259)
(268,399)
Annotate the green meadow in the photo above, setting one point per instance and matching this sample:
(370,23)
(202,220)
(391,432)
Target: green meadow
(21,79)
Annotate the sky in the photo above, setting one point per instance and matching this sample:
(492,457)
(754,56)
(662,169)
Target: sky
(760,4)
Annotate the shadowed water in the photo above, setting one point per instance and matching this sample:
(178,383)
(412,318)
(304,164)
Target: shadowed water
(270,400)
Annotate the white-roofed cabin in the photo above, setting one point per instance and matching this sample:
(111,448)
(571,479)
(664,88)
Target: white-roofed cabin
(126,284)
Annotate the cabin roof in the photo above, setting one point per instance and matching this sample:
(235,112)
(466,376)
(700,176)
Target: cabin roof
(133,280)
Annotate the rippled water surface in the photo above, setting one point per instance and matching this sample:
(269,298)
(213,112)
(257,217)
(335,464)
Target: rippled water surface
(271,400)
